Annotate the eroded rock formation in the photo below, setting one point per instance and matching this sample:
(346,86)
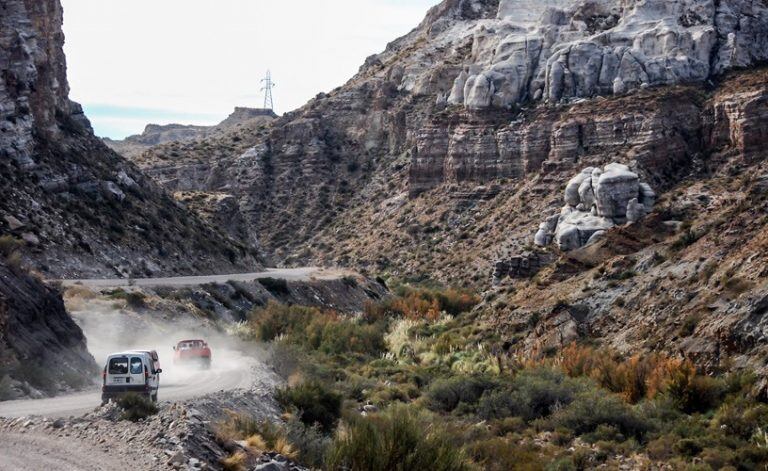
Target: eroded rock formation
(562,49)
(596,200)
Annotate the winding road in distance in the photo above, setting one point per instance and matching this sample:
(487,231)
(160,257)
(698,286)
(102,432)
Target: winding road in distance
(289,274)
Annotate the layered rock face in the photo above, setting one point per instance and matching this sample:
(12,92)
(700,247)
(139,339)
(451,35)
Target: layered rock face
(596,200)
(373,171)
(562,49)
(42,350)
(81,208)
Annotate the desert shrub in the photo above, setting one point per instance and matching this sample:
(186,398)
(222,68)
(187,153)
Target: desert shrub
(397,439)
(533,394)
(311,442)
(263,435)
(347,336)
(241,426)
(690,391)
(594,408)
(501,454)
(277,319)
(741,417)
(315,403)
(136,407)
(646,376)
(285,358)
(234,462)
(315,329)
(446,394)
(422,303)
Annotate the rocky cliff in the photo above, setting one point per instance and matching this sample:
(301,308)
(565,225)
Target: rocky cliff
(81,208)
(42,350)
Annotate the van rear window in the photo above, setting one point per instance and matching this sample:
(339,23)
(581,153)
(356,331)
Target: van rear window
(118,366)
(137,366)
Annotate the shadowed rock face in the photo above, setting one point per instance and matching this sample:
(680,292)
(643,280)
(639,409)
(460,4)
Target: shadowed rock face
(82,209)
(42,350)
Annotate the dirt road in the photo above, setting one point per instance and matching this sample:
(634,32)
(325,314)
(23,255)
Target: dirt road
(21,452)
(290,274)
(175,385)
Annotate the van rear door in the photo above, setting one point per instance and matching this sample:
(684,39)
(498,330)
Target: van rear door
(118,371)
(137,371)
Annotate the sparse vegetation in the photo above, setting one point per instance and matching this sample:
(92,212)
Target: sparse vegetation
(313,403)
(420,366)
(136,407)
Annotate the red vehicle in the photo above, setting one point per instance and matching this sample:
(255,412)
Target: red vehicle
(192,352)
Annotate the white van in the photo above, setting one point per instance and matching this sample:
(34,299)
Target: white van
(131,372)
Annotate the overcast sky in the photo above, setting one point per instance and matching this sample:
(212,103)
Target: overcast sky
(131,62)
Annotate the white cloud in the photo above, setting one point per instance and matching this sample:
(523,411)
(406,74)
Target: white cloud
(205,57)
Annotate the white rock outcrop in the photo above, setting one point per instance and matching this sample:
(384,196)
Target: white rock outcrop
(596,200)
(562,49)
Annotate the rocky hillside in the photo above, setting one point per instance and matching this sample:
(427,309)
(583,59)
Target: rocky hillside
(80,207)
(444,154)
(154,134)
(42,350)
(438,154)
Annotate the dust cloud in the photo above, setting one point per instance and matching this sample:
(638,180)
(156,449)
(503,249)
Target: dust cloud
(111,329)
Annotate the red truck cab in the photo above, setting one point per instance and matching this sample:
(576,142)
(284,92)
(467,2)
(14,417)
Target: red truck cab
(192,352)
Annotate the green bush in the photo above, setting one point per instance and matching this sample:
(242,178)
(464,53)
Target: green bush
(594,408)
(311,328)
(533,394)
(501,454)
(446,394)
(277,319)
(315,403)
(311,442)
(136,407)
(694,393)
(741,417)
(394,440)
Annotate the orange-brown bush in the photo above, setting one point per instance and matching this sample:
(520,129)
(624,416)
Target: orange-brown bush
(641,377)
(422,303)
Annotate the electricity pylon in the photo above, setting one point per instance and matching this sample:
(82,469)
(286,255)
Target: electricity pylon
(269,104)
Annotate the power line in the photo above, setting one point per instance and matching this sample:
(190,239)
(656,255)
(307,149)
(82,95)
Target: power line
(269,104)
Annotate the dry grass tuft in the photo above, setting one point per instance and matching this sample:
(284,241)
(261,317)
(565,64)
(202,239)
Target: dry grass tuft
(235,462)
